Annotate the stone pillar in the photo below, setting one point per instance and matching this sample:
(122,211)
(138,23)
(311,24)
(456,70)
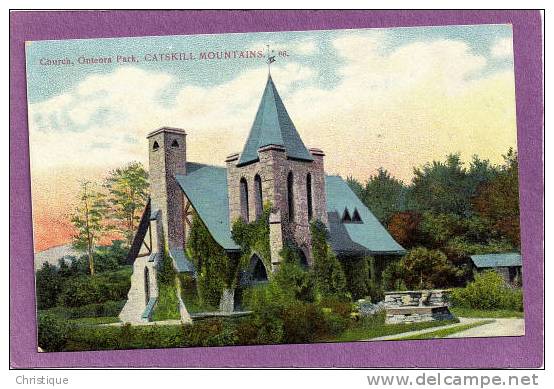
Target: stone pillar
(275,238)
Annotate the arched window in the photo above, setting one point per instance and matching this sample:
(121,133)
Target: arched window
(356,217)
(258,199)
(259,274)
(290,195)
(309,195)
(346,216)
(175,143)
(146,285)
(244,199)
(155,146)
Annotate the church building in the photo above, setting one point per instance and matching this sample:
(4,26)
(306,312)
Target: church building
(275,167)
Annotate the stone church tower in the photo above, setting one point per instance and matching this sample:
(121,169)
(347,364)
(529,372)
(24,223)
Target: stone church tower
(276,167)
(167,155)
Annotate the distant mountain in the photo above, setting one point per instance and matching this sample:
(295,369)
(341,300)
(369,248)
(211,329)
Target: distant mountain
(53,255)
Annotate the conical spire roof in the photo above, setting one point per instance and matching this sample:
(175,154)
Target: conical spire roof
(273,126)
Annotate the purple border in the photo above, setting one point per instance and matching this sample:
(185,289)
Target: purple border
(526,351)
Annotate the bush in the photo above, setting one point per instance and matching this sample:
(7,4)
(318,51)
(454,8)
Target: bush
(292,278)
(85,290)
(488,292)
(105,309)
(303,323)
(48,286)
(52,332)
(356,271)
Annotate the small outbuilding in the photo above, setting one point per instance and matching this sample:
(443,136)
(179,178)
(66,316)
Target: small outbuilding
(508,265)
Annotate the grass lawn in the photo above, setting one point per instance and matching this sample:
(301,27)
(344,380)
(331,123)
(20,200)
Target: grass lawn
(478,313)
(375,327)
(442,333)
(94,320)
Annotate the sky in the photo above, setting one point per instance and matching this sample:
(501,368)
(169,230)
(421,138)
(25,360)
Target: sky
(393,98)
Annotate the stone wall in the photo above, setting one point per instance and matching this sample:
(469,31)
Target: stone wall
(416,306)
(273,168)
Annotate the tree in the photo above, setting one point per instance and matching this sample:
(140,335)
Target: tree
(440,187)
(404,228)
(498,199)
(89,222)
(426,269)
(127,195)
(382,193)
(48,286)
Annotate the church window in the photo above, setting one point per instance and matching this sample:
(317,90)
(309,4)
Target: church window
(290,195)
(244,199)
(356,217)
(175,143)
(346,216)
(258,193)
(155,146)
(309,195)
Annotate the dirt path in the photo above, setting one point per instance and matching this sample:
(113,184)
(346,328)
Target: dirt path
(500,327)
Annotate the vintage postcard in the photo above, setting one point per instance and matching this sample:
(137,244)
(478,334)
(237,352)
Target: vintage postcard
(275,188)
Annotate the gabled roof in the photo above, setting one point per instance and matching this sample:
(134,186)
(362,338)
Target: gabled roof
(206,188)
(368,235)
(497,260)
(273,126)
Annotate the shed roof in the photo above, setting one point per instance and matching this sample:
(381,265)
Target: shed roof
(497,260)
(273,126)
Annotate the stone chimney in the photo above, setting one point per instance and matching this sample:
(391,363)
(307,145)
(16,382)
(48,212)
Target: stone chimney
(167,157)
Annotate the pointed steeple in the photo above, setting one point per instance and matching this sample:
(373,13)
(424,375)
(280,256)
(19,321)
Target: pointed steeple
(273,126)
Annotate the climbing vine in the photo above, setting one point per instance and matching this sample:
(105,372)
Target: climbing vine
(253,238)
(214,268)
(329,275)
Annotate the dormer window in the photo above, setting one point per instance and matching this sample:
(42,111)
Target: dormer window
(175,143)
(346,216)
(356,217)
(155,146)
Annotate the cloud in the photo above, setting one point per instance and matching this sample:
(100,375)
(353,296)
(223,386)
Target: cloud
(104,120)
(396,108)
(502,48)
(404,107)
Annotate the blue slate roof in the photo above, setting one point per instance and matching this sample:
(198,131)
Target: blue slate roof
(273,126)
(497,260)
(206,188)
(368,237)
(182,262)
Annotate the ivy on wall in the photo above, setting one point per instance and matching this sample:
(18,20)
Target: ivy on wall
(215,269)
(329,275)
(253,238)
(167,307)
